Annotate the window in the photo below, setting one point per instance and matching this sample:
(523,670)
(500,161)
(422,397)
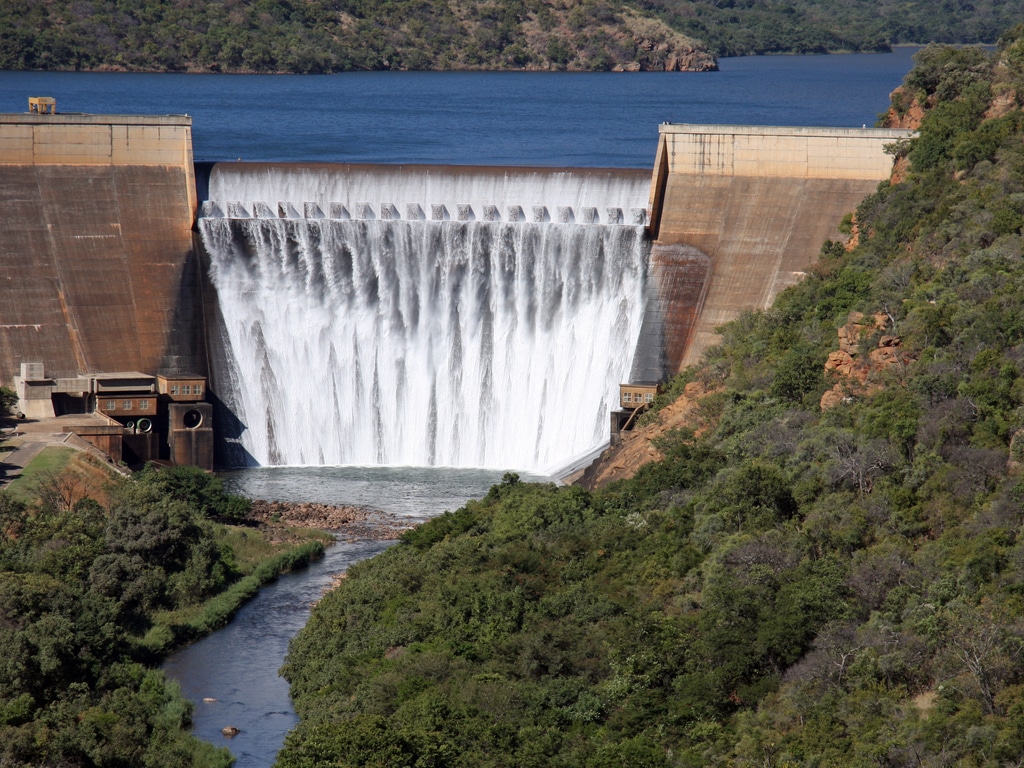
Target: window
(648,397)
(627,397)
(111,405)
(197,390)
(186,389)
(127,405)
(143,405)
(174,389)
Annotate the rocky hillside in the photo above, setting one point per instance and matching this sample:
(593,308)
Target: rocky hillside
(307,36)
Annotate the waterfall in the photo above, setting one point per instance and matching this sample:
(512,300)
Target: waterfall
(431,329)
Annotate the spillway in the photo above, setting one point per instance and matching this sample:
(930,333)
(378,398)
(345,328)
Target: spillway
(416,316)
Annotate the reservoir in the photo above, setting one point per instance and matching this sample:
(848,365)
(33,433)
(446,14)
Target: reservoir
(601,119)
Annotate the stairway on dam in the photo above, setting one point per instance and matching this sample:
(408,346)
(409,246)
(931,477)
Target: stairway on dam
(737,214)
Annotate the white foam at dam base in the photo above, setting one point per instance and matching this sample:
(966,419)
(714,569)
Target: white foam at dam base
(496,344)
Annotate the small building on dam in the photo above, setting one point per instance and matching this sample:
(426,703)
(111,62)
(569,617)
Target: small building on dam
(109,307)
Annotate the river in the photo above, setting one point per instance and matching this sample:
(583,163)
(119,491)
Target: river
(237,666)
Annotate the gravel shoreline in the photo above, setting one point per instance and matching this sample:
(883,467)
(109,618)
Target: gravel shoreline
(352,521)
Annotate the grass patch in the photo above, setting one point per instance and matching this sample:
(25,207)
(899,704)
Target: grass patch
(251,546)
(84,475)
(174,628)
(50,460)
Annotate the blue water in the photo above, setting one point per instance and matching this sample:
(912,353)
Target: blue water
(477,118)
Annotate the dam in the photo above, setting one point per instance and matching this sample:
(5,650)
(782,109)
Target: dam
(425,315)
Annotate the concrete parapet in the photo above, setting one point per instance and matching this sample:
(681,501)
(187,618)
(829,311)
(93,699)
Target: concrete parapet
(790,152)
(120,140)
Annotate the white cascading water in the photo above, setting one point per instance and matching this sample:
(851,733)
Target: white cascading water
(420,342)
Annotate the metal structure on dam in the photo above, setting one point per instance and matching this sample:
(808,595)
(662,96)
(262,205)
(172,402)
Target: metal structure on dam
(104,270)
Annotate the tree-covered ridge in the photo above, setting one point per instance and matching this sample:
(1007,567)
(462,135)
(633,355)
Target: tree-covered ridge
(83,588)
(744,27)
(790,586)
(316,36)
(307,36)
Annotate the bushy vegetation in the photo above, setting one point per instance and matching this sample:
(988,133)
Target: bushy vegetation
(89,595)
(790,586)
(8,399)
(341,35)
(319,36)
(744,27)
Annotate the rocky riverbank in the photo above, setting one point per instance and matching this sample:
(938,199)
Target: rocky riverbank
(352,521)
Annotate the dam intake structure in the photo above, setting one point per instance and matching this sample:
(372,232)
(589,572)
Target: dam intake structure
(433,316)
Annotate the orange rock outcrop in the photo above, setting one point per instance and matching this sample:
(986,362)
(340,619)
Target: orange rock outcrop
(857,373)
(637,448)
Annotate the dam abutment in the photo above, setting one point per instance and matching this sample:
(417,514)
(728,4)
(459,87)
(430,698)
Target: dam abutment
(95,243)
(101,311)
(757,202)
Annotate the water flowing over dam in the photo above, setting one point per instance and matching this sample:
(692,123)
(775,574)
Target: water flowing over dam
(437,316)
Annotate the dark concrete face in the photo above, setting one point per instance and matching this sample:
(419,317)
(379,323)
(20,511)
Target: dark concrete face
(679,277)
(758,235)
(97,270)
(190,433)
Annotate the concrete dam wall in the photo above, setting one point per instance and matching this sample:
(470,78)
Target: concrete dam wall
(383,314)
(96,257)
(737,214)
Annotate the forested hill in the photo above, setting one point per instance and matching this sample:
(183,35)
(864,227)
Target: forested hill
(312,36)
(308,36)
(824,569)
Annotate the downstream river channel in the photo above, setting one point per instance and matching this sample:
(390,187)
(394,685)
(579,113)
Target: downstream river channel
(237,666)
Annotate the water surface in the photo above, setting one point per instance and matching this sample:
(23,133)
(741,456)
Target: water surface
(601,119)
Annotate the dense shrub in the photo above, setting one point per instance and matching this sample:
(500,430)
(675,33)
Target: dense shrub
(80,584)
